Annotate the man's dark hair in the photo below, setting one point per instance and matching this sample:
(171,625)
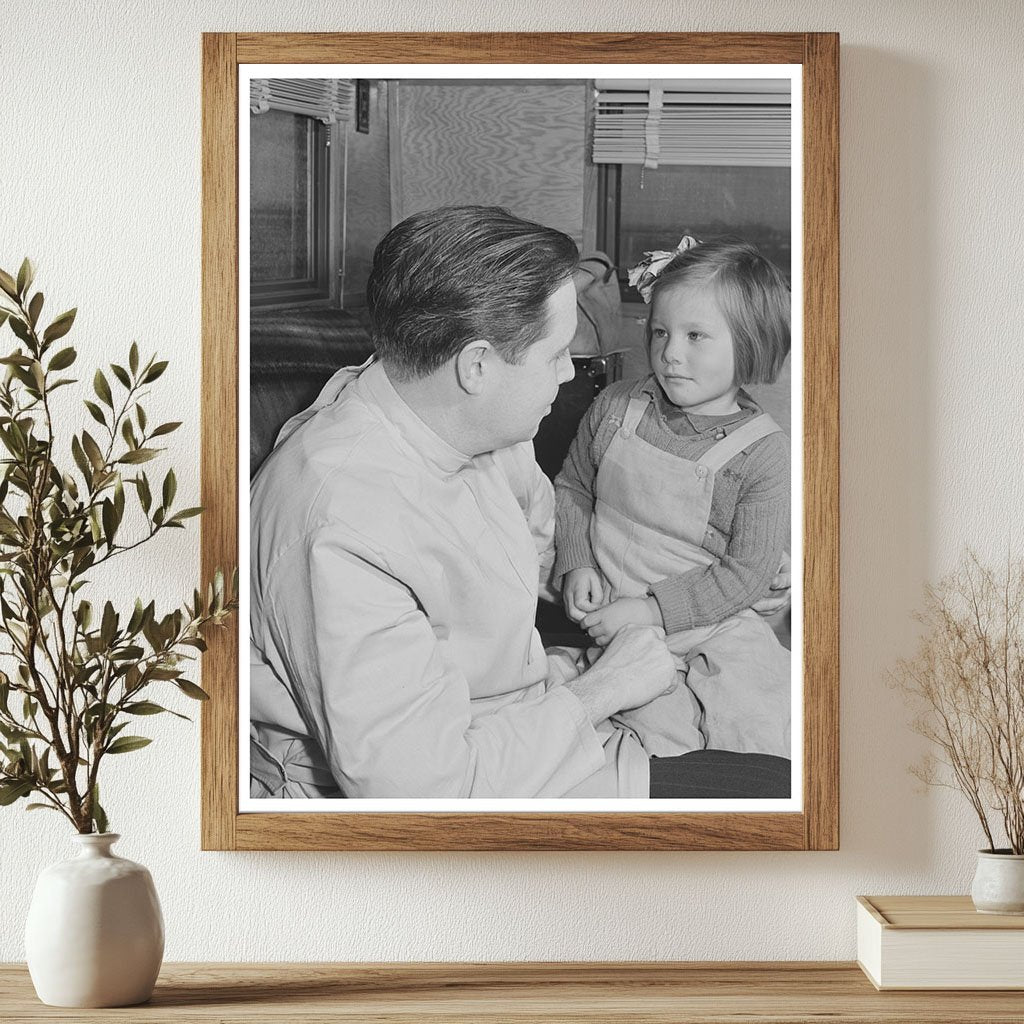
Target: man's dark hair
(445,277)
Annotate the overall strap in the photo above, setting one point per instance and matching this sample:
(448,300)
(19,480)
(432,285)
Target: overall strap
(742,437)
(634,413)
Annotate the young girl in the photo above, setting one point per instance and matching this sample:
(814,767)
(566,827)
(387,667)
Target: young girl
(673,502)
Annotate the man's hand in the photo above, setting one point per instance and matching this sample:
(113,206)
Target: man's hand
(777,597)
(635,668)
(605,622)
(582,592)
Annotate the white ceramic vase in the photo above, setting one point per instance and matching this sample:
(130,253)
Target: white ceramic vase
(95,934)
(999,883)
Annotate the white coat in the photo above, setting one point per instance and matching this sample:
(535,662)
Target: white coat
(393,590)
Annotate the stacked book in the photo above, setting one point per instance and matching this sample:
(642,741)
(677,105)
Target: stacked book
(907,942)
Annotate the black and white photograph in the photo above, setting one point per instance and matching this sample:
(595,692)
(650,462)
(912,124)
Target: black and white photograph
(524,360)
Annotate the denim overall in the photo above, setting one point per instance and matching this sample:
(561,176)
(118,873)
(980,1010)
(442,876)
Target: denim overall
(650,521)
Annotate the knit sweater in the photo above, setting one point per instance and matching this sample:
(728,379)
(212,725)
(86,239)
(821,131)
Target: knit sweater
(748,527)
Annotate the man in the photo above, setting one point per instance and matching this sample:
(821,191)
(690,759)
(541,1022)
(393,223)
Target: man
(396,530)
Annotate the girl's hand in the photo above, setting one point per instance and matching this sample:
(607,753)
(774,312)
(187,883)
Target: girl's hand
(582,592)
(777,597)
(605,622)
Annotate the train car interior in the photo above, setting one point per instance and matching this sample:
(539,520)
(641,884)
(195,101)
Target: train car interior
(334,163)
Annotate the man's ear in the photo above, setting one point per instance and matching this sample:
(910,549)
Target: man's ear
(471,365)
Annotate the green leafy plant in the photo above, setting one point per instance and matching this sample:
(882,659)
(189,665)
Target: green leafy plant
(967,682)
(78,673)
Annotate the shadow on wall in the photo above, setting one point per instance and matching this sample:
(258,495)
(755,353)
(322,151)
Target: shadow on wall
(887,202)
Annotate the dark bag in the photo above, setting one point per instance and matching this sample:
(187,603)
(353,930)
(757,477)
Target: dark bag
(596,356)
(598,307)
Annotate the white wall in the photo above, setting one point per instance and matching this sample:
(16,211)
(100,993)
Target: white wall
(100,183)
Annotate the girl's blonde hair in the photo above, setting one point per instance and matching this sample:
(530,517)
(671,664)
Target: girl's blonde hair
(754,298)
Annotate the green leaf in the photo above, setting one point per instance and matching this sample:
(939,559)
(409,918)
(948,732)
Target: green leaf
(128,433)
(60,326)
(143,707)
(121,374)
(151,632)
(34,308)
(10,442)
(99,816)
(83,613)
(20,328)
(185,513)
(191,690)
(135,622)
(4,314)
(42,807)
(12,733)
(109,521)
(63,359)
(96,412)
(170,488)
(119,498)
(171,674)
(115,730)
(26,274)
(95,527)
(145,498)
(140,415)
(8,284)
(15,790)
(16,359)
(165,428)
(154,371)
(96,711)
(133,358)
(139,455)
(108,627)
(129,653)
(102,388)
(125,744)
(80,458)
(92,449)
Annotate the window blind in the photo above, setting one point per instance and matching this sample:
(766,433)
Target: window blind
(724,122)
(326,99)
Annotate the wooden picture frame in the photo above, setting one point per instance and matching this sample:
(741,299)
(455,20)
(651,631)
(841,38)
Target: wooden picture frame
(816,826)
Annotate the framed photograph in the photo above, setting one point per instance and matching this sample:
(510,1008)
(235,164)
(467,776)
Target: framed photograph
(453,561)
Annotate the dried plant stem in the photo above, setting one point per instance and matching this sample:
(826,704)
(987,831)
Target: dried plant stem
(967,679)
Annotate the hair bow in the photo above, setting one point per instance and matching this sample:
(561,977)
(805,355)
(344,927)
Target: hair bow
(644,274)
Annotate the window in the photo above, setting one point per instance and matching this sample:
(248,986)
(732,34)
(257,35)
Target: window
(290,218)
(288,210)
(691,157)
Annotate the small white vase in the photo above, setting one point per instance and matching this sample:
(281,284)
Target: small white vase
(999,882)
(95,934)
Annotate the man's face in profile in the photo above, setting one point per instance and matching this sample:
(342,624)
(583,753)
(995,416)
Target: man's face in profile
(522,393)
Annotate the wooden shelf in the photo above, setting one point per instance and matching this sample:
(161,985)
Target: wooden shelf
(642,992)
